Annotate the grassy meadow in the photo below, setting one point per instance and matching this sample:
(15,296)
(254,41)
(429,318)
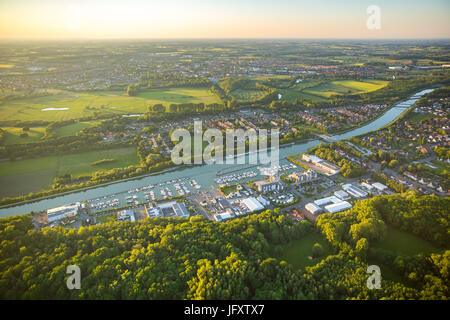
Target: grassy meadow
(298,253)
(405,243)
(72,129)
(12,135)
(84,104)
(32,175)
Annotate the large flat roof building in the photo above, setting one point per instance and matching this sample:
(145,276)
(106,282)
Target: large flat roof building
(224,216)
(327,200)
(169,209)
(380,186)
(173,209)
(326,166)
(354,191)
(252,204)
(265,186)
(337,207)
(341,194)
(127,214)
(62,212)
(313,208)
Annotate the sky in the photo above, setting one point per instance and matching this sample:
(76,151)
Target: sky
(139,19)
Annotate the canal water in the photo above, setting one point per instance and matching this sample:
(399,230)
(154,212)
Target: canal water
(204,175)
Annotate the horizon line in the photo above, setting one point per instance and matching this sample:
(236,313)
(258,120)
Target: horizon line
(218,38)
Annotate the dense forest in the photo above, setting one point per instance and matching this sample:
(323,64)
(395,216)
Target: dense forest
(197,259)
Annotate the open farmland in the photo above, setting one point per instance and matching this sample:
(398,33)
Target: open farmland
(65,105)
(316,90)
(345,87)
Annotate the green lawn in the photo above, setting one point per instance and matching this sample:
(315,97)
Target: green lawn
(298,252)
(99,102)
(405,243)
(32,175)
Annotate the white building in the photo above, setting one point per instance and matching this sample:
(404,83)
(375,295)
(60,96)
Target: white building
(327,200)
(329,168)
(380,186)
(314,209)
(252,204)
(126,215)
(62,212)
(311,158)
(354,191)
(337,207)
(173,209)
(263,201)
(265,186)
(367,186)
(224,216)
(342,195)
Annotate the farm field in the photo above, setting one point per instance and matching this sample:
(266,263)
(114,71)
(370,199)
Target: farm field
(12,135)
(65,105)
(314,90)
(298,252)
(290,95)
(405,243)
(344,87)
(71,129)
(32,175)
(178,95)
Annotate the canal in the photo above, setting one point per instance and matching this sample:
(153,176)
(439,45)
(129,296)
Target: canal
(204,175)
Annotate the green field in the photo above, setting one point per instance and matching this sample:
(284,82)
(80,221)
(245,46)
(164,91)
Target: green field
(178,95)
(298,252)
(72,129)
(345,87)
(110,217)
(405,243)
(12,135)
(313,90)
(100,102)
(247,95)
(32,175)
(402,243)
(415,117)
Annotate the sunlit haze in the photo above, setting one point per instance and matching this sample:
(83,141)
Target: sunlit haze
(72,19)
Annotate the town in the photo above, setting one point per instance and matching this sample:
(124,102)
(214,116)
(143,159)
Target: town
(225,151)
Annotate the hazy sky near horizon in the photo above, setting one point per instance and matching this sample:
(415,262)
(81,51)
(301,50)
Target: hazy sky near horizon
(74,19)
